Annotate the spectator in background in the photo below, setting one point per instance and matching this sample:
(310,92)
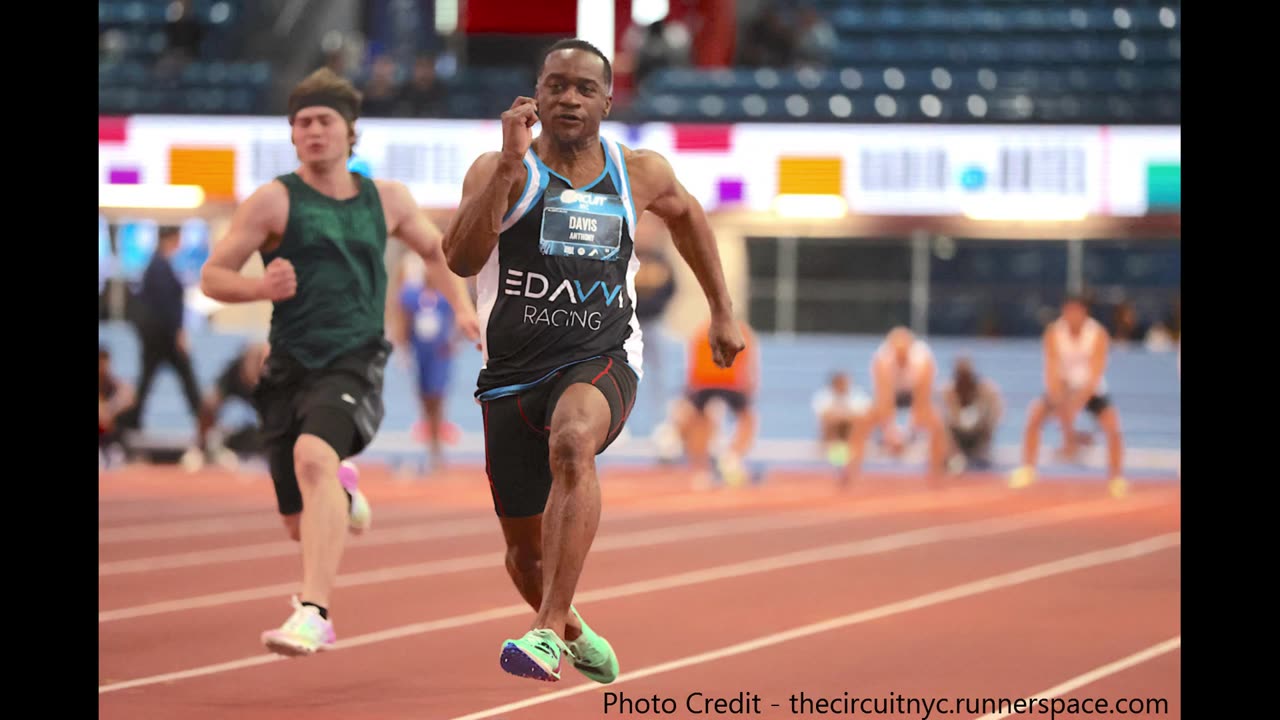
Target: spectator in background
(336,60)
(342,53)
(697,422)
(159,324)
(183,36)
(380,94)
(655,286)
(1159,338)
(662,45)
(237,380)
(815,38)
(114,398)
(422,96)
(838,406)
(971,409)
(768,41)
(428,329)
(903,374)
(1126,328)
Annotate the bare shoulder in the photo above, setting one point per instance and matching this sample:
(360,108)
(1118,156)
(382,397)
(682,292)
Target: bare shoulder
(645,165)
(267,206)
(271,194)
(391,190)
(397,201)
(484,169)
(653,183)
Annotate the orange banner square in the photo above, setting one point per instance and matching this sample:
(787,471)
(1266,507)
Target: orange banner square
(810,175)
(213,169)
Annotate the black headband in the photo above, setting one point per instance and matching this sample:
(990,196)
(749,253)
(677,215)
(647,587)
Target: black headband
(340,103)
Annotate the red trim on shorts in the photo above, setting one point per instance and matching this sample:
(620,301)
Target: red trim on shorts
(625,411)
(526,417)
(492,491)
(604,372)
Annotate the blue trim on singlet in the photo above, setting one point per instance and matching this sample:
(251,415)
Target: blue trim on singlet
(528,178)
(607,164)
(543,179)
(622,182)
(506,390)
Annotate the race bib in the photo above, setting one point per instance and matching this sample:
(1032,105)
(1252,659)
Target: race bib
(581,224)
(427,324)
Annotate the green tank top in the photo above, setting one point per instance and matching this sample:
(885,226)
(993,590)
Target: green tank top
(337,248)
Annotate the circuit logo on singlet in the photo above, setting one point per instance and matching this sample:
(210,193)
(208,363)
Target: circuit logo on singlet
(573,196)
(537,286)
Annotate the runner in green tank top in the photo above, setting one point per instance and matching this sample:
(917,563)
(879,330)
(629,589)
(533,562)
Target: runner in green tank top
(322,233)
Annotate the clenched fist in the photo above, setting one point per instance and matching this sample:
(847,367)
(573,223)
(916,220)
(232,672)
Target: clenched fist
(726,340)
(517,126)
(280,281)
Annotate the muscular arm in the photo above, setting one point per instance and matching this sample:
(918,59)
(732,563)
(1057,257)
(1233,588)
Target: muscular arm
(683,214)
(486,196)
(423,237)
(257,218)
(395,312)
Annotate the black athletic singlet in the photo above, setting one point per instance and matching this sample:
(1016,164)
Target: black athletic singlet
(559,287)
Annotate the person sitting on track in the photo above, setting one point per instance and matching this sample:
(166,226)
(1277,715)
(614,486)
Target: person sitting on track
(238,379)
(115,396)
(838,406)
(971,410)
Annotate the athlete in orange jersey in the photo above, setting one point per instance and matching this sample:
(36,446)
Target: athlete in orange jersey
(736,387)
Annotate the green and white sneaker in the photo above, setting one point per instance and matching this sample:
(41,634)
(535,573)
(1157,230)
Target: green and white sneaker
(535,656)
(593,656)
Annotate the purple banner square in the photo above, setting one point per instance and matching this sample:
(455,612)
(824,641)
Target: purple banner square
(730,190)
(124,176)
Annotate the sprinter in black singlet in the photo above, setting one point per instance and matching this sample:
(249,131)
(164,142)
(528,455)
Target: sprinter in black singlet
(322,232)
(546,226)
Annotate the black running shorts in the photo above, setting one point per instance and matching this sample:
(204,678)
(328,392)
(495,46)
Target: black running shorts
(517,429)
(340,403)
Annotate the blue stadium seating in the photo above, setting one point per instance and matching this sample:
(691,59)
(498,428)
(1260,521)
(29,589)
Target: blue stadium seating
(1084,61)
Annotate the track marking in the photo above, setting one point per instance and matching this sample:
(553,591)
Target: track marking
(1098,673)
(872,546)
(635,539)
(988,584)
(256,520)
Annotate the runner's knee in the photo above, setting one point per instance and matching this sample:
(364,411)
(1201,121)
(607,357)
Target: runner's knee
(524,561)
